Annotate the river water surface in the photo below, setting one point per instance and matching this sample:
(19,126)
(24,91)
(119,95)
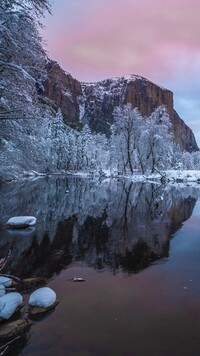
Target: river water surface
(136,245)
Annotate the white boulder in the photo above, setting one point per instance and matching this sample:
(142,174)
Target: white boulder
(2,290)
(5,281)
(21,221)
(43,297)
(9,303)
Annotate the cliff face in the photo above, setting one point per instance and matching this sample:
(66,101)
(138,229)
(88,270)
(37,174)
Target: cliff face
(64,90)
(93,103)
(183,134)
(102,97)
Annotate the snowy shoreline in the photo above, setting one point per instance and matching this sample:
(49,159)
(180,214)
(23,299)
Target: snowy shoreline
(163,177)
(170,176)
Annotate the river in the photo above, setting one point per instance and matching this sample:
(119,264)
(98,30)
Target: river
(136,245)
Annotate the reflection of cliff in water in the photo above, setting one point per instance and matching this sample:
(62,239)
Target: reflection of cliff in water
(136,228)
(112,223)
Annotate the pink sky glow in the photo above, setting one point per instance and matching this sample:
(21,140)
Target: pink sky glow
(158,39)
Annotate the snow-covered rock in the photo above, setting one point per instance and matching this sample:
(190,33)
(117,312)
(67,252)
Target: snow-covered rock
(5,281)
(78,279)
(2,290)
(9,304)
(43,297)
(21,221)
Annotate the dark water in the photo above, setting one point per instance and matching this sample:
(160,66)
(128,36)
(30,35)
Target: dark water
(137,246)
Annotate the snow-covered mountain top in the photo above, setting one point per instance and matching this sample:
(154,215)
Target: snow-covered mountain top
(115,81)
(129,78)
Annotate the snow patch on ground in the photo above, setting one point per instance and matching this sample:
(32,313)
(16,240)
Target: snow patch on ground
(79,174)
(185,176)
(175,176)
(170,176)
(33,173)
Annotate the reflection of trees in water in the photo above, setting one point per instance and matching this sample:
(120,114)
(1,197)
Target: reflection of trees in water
(136,232)
(110,223)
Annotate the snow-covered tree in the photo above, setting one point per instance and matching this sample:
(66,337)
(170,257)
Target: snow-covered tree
(57,148)
(23,118)
(22,59)
(196,160)
(176,158)
(187,160)
(154,146)
(125,136)
(140,143)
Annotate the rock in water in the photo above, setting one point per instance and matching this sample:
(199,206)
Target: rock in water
(43,297)
(78,279)
(36,311)
(9,303)
(19,222)
(10,330)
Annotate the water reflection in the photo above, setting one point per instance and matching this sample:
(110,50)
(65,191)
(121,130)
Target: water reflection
(109,224)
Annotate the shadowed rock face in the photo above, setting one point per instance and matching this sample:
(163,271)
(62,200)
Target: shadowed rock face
(93,103)
(183,134)
(63,90)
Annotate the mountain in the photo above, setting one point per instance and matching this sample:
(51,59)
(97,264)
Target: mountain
(93,103)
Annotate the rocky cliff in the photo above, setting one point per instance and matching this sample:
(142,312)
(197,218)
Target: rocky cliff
(93,103)
(102,97)
(64,90)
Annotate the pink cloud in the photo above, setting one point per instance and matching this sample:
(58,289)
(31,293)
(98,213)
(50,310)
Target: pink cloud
(111,37)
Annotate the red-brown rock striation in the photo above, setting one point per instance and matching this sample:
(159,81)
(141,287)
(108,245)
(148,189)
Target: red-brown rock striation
(64,90)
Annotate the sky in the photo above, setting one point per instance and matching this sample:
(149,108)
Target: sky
(158,39)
